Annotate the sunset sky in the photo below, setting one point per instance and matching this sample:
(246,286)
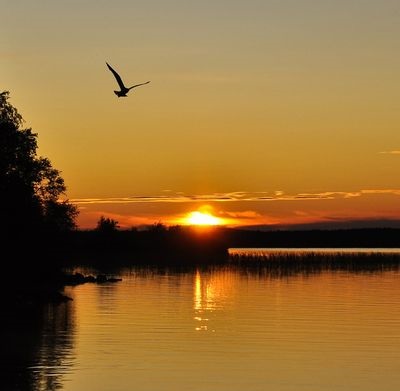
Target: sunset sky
(258,112)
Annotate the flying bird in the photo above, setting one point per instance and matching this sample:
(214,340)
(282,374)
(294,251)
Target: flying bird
(124,90)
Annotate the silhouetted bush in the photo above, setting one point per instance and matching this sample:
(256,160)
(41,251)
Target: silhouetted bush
(107,225)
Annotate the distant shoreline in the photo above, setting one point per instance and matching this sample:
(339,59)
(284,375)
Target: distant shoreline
(37,272)
(217,238)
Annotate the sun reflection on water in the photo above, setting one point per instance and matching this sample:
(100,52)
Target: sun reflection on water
(212,291)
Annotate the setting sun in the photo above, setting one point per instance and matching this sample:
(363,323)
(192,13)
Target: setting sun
(202,218)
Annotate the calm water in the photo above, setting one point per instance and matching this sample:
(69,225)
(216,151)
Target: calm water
(221,329)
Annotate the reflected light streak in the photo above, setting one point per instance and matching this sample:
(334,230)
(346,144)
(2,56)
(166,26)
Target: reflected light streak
(212,292)
(204,300)
(197,293)
(204,294)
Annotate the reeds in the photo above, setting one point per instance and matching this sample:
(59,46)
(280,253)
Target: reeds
(286,262)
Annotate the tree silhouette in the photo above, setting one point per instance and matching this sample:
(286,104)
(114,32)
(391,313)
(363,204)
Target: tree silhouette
(107,225)
(30,188)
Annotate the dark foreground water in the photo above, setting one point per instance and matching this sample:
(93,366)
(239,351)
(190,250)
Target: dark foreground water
(222,329)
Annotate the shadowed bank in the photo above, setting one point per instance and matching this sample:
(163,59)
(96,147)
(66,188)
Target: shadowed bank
(37,342)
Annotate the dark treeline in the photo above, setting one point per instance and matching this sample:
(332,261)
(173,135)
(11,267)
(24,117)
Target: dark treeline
(193,244)
(369,237)
(157,245)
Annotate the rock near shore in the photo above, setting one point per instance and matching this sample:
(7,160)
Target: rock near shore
(78,278)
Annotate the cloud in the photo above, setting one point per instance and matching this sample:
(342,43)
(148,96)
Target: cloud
(247,214)
(382,191)
(234,197)
(390,152)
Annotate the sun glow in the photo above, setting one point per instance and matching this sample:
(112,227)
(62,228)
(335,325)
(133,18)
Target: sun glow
(202,218)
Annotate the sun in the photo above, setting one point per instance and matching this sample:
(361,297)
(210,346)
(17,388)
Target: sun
(202,218)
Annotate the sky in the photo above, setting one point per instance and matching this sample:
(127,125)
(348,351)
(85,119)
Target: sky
(258,112)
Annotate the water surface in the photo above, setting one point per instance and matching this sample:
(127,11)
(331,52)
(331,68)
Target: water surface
(224,329)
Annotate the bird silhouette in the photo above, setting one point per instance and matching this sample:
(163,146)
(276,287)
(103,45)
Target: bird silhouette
(123,90)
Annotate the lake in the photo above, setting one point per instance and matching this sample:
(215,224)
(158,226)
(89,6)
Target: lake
(218,329)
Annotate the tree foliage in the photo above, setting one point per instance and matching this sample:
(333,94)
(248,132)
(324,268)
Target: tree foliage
(30,188)
(107,225)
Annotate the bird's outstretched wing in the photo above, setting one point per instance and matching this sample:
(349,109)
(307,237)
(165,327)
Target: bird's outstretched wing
(118,77)
(141,84)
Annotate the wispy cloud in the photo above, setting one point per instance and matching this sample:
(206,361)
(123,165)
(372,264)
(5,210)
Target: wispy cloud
(396,152)
(234,197)
(247,214)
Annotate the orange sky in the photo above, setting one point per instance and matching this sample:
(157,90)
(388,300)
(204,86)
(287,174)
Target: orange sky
(247,100)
